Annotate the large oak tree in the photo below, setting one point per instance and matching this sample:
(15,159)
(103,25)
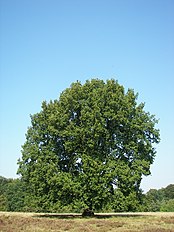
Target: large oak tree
(90,148)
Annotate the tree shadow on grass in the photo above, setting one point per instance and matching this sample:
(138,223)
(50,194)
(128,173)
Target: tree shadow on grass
(99,216)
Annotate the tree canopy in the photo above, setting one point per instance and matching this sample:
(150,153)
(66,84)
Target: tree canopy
(90,148)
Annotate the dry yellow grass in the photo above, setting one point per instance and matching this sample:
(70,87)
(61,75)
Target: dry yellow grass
(31,222)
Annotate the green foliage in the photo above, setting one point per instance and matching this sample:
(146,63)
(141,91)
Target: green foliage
(3,187)
(168,192)
(154,198)
(160,200)
(12,194)
(15,194)
(167,206)
(3,202)
(93,144)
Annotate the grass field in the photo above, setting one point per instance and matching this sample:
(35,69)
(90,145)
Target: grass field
(30,222)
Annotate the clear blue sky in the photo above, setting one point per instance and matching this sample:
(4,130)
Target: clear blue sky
(45,45)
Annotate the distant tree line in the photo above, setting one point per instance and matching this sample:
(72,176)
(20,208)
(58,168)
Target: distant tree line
(14,197)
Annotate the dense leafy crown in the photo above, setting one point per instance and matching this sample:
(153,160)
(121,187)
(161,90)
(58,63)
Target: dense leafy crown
(89,148)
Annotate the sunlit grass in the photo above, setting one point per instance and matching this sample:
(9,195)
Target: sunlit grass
(20,222)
